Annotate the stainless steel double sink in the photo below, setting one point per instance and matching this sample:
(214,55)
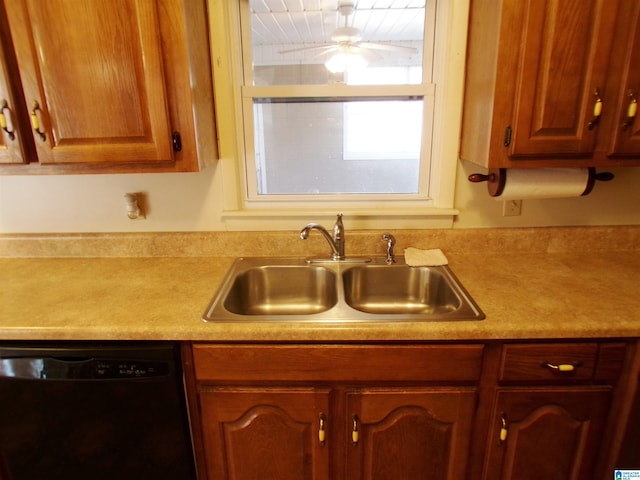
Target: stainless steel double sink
(357,290)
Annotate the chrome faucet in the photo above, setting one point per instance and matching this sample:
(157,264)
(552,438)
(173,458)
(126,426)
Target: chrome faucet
(391,242)
(336,242)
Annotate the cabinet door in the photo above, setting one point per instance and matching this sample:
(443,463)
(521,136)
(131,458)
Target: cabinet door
(412,433)
(12,147)
(265,433)
(551,433)
(93,79)
(563,62)
(626,85)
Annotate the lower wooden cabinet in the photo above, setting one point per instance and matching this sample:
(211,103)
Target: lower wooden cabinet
(266,433)
(408,433)
(547,433)
(335,411)
(494,411)
(292,433)
(550,410)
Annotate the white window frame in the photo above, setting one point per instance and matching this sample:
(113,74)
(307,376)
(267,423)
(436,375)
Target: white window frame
(243,209)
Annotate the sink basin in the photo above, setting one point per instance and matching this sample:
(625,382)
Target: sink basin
(291,289)
(382,289)
(282,290)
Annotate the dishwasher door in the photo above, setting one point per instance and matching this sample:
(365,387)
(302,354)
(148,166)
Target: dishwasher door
(93,411)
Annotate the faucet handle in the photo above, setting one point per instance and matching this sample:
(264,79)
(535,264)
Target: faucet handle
(338,228)
(391,242)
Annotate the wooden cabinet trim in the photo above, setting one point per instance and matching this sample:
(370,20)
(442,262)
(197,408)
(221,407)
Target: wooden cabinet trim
(338,363)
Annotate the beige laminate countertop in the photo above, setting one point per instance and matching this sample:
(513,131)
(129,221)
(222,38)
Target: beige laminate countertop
(553,295)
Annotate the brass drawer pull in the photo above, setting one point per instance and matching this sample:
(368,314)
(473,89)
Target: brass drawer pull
(562,368)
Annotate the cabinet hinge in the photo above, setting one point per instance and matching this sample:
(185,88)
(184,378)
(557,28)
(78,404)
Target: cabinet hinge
(176,139)
(507,136)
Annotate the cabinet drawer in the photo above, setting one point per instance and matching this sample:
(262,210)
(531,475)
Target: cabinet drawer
(548,362)
(344,363)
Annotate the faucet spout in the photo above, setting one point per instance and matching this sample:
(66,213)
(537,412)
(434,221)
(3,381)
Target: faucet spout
(336,242)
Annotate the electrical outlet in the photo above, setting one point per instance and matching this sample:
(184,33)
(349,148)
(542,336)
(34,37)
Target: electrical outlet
(511,208)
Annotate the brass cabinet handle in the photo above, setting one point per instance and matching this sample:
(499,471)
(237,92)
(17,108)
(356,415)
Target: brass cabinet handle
(322,433)
(35,121)
(632,110)
(562,368)
(354,431)
(504,431)
(597,109)
(3,120)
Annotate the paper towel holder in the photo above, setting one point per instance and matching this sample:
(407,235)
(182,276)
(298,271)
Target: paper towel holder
(497,179)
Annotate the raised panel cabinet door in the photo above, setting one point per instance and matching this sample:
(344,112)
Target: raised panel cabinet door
(93,79)
(551,433)
(563,60)
(12,142)
(626,125)
(10,136)
(409,433)
(266,433)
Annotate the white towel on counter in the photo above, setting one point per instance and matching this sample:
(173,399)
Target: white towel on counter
(416,257)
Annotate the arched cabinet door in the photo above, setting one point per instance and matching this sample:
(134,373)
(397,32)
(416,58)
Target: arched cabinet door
(409,433)
(266,433)
(550,433)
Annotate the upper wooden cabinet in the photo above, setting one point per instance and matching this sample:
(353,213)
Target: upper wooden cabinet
(552,83)
(118,86)
(14,146)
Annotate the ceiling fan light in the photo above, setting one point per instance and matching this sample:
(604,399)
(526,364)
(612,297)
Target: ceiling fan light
(345,62)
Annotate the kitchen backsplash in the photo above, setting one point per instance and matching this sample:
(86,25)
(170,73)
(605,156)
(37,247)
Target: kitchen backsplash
(287,243)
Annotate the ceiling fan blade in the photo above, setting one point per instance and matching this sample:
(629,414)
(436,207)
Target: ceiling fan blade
(369,55)
(387,47)
(325,47)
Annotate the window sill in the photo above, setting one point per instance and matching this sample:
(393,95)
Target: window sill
(268,219)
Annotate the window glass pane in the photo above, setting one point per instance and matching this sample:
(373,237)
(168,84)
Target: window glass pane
(326,41)
(304,146)
(382,130)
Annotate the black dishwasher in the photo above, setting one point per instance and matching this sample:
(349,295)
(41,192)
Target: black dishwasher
(93,411)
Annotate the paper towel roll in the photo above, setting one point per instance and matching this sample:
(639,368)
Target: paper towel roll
(516,184)
(522,184)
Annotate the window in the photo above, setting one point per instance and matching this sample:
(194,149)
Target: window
(320,115)
(335,104)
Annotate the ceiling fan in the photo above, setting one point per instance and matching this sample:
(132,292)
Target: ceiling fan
(347,46)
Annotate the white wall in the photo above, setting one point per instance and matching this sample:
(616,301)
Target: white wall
(193,202)
(95,203)
(610,203)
